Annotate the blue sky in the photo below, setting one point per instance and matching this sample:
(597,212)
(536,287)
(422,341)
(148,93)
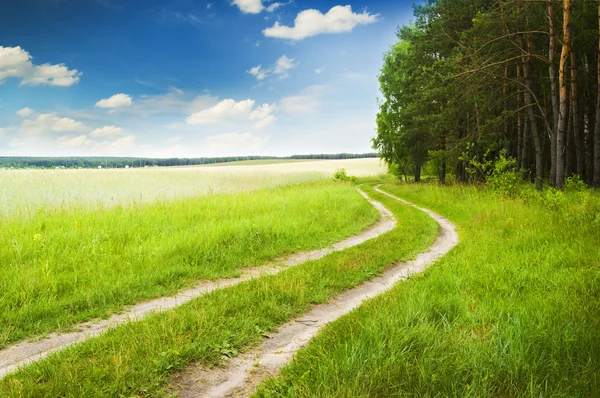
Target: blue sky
(166,78)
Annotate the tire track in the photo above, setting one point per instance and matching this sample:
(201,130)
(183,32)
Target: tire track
(25,353)
(243,373)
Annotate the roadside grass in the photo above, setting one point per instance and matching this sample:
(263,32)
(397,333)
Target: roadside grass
(512,311)
(64,267)
(139,358)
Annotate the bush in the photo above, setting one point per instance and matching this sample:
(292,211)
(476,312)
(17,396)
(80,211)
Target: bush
(340,175)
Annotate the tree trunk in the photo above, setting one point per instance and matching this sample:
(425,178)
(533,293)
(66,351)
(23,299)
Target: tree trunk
(597,123)
(524,145)
(537,142)
(563,100)
(443,158)
(519,123)
(417,173)
(577,133)
(569,150)
(505,90)
(553,92)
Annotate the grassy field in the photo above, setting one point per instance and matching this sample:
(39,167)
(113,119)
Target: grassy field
(513,311)
(24,192)
(66,266)
(138,359)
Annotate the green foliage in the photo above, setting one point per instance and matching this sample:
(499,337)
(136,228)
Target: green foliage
(575,184)
(501,174)
(341,175)
(457,75)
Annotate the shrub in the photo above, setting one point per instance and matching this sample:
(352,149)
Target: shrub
(340,175)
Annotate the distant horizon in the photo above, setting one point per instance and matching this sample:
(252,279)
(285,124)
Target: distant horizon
(297,155)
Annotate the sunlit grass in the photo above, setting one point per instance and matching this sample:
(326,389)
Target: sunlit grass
(137,359)
(65,266)
(512,311)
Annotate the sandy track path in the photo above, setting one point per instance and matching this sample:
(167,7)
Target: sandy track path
(25,353)
(243,373)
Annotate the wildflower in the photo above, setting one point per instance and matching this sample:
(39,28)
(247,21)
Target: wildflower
(37,237)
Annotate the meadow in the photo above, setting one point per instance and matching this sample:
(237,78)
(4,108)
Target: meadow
(140,358)
(512,311)
(62,267)
(25,192)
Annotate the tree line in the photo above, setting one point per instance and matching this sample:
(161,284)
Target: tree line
(122,162)
(471,80)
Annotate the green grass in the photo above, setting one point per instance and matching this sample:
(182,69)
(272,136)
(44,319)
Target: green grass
(138,359)
(512,311)
(63,267)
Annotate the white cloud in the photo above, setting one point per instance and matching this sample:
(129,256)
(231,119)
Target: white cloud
(25,112)
(116,101)
(226,110)
(281,68)
(318,71)
(49,122)
(233,142)
(106,131)
(273,7)
(49,134)
(309,23)
(283,64)
(231,112)
(259,72)
(304,104)
(262,116)
(174,101)
(256,6)
(249,6)
(122,143)
(73,142)
(16,62)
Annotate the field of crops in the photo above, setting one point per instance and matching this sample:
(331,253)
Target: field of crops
(26,191)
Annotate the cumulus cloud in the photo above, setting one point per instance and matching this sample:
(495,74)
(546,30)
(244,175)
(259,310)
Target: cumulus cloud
(281,68)
(106,131)
(49,122)
(338,19)
(25,112)
(230,111)
(262,116)
(249,6)
(116,101)
(255,6)
(258,72)
(39,133)
(16,62)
